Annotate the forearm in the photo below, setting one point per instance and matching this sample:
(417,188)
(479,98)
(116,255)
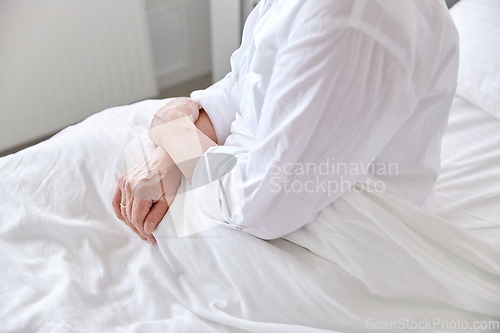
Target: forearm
(184,141)
(203,124)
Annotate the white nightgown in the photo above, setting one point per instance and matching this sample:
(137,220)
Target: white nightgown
(324,94)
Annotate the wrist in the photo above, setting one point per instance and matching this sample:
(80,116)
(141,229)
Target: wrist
(189,107)
(172,121)
(161,159)
(178,114)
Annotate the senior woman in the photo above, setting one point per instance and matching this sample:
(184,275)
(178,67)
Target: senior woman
(316,84)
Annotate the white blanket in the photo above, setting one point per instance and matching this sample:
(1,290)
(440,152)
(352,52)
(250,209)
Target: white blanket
(68,265)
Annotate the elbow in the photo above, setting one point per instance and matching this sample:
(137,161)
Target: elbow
(268,223)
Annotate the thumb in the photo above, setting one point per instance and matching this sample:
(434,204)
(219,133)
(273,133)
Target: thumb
(155,216)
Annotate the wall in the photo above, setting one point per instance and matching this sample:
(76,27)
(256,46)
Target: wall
(61,61)
(226,34)
(180,37)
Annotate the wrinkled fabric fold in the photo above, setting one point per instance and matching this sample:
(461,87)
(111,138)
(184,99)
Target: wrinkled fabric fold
(66,258)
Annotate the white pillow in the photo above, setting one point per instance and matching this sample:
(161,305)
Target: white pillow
(478,24)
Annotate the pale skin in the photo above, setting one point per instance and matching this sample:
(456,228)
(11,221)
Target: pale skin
(143,195)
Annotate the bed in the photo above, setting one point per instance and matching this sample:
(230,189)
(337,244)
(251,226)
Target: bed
(369,262)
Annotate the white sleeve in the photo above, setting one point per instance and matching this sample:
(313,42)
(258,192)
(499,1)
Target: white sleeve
(215,101)
(336,96)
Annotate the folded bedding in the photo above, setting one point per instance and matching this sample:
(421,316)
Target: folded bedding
(68,264)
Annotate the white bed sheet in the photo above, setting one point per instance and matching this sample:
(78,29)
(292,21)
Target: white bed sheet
(68,265)
(468,188)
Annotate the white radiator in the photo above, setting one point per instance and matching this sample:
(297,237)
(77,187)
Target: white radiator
(62,60)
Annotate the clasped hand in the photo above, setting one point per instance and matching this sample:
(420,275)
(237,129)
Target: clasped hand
(144,193)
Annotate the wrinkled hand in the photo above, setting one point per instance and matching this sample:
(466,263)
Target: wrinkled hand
(179,107)
(143,194)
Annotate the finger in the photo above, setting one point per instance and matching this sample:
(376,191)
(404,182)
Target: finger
(131,226)
(134,229)
(123,210)
(117,197)
(140,210)
(128,223)
(117,200)
(129,200)
(155,216)
(128,212)
(123,205)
